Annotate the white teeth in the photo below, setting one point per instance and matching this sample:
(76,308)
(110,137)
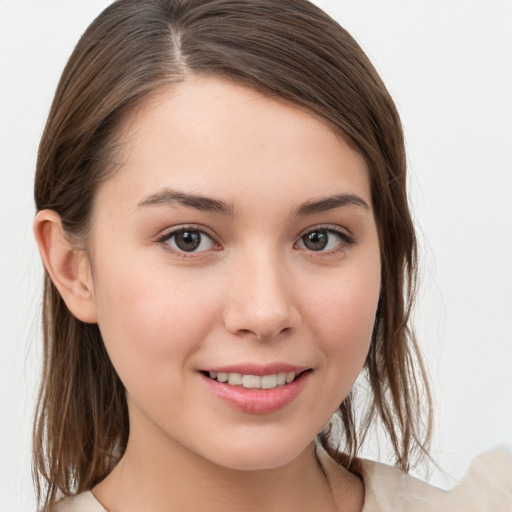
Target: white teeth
(268,381)
(235,379)
(254,381)
(251,381)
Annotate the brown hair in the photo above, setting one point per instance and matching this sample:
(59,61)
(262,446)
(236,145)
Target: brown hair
(288,48)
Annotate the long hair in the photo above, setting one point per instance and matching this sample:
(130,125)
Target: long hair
(286,48)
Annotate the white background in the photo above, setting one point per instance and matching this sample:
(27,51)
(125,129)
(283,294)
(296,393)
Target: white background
(448,64)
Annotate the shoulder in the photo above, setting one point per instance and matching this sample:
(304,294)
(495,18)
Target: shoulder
(85,502)
(486,487)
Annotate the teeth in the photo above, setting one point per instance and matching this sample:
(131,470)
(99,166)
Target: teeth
(251,381)
(254,381)
(268,381)
(235,379)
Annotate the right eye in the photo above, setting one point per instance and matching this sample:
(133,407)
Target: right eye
(324,240)
(188,240)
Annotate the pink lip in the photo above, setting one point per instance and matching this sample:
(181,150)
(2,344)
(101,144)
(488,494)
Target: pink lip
(258,369)
(256,401)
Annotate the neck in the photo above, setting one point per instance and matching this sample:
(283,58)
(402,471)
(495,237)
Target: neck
(162,480)
(159,474)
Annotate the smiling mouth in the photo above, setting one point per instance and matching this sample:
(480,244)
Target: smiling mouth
(247,381)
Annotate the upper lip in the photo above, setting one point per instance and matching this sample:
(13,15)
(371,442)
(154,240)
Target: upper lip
(258,369)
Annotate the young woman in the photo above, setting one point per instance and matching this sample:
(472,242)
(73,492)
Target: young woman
(223,220)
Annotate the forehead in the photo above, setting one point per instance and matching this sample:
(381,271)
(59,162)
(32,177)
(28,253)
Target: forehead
(209,135)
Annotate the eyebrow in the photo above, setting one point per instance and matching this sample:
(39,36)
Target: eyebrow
(331,203)
(205,204)
(169,196)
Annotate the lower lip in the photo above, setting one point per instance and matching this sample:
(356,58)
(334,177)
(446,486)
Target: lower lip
(258,401)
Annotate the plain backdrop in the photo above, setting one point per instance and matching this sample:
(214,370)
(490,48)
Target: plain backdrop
(448,65)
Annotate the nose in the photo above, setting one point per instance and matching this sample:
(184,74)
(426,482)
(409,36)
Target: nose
(261,302)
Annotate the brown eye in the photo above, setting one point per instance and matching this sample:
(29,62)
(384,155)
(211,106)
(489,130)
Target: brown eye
(316,240)
(324,240)
(189,240)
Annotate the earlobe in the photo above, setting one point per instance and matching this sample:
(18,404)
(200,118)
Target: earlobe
(67,267)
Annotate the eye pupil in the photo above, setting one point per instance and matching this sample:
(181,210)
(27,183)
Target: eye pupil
(188,241)
(316,240)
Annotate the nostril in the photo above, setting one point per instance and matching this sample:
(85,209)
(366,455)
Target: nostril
(261,320)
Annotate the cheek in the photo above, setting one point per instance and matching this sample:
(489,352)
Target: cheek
(148,320)
(344,322)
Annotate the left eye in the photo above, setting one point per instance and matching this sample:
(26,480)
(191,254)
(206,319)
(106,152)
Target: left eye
(189,240)
(321,240)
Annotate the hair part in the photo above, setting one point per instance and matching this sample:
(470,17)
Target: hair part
(287,48)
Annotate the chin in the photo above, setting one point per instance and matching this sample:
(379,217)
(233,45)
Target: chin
(258,456)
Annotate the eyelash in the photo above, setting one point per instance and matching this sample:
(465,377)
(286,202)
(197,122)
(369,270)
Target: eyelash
(168,235)
(345,240)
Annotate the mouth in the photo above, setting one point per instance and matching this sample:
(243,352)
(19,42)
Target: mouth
(249,381)
(257,389)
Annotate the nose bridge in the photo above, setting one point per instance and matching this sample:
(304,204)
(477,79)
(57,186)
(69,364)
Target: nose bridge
(261,299)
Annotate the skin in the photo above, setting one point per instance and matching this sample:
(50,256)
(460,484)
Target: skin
(253,292)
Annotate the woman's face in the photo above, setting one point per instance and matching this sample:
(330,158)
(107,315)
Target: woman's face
(236,242)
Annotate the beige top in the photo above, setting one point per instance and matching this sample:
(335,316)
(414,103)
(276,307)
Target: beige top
(487,487)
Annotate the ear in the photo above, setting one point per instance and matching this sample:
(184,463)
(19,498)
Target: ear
(69,269)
